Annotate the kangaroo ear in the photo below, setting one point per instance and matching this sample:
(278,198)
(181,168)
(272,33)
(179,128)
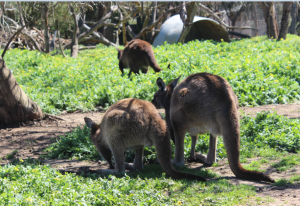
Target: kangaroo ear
(160,83)
(119,53)
(90,123)
(174,82)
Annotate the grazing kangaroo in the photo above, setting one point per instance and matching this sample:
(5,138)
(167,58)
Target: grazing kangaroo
(133,124)
(137,55)
(203,103)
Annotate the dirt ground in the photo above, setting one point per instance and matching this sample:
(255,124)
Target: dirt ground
(30,139)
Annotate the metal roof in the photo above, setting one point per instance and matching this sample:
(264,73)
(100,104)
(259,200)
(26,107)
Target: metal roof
(203,28)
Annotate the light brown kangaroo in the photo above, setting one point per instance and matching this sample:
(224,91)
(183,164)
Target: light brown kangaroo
(133,124)
(203,103)
(137,55)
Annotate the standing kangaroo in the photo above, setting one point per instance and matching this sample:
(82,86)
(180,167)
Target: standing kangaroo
(203,103)
(137,55)
(133,124)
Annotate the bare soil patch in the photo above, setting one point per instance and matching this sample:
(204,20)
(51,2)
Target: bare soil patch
(28,140)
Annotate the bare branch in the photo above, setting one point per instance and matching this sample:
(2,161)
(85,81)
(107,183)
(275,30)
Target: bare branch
(220,21)
(13,36)
(99,23)
(139,35)
(187,22)
(24,33)
(130,32)
(35,44)
(98,38)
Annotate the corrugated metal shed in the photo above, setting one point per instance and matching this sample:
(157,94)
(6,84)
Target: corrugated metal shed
(203,28)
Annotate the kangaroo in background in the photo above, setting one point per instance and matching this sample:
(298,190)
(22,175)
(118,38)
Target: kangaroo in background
(137,55)
(204,103)
(133,124)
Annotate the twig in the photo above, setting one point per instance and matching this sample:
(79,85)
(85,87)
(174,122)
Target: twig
(53,116)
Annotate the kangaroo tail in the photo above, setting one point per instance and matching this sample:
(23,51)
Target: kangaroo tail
(237,168)
(152,62)
(231,138)
(163,148)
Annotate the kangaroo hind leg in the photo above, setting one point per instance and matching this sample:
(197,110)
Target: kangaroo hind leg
(193,145)
(211,156)
(138,160)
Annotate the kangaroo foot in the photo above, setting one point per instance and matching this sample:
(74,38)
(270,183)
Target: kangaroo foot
(131,166)
(203,159)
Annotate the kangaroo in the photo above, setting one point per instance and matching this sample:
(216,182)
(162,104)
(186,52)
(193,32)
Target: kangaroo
(132,124)
(137,55)
(203,103)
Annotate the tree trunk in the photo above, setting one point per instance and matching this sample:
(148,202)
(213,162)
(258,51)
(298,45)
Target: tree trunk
(101,13)
(146,19)
(153,17)
(20,14)
(58,36)
(287,7)
(15,106)
(74,46)
(170,6)
(294,12)
(187,24)
(3,7)
(270,18)
(255,19)
(161,12)
(46,31)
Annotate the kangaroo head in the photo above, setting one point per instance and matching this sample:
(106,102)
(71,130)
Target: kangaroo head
(162,98)
(95,129)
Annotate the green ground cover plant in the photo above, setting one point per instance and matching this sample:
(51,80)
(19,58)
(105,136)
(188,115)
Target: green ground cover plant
(261,71)
(28,183)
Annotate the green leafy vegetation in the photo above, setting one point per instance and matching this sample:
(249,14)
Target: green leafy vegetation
(33,184)
(284,182)
(287,162)
(261,71)
(74,145)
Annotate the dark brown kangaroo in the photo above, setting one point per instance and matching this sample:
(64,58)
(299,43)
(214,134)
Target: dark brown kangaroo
(203,103)
(137,55)
(133,124)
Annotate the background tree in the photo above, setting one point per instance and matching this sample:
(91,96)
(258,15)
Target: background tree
(270,18)
(294,15)
(287,7)
(15,106)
